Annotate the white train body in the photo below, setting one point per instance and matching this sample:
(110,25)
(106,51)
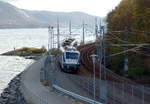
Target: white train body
(69,60)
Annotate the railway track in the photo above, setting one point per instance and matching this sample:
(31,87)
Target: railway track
(86,52)
(86,63)
(86,84)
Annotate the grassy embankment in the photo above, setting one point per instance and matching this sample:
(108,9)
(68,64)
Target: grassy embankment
(26,52)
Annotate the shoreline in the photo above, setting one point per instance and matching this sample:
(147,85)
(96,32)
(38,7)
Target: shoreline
(27,53)
(12,94)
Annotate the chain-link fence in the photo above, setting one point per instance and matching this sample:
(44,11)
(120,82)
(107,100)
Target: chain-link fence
(106,91)
(82,86)
(120,93)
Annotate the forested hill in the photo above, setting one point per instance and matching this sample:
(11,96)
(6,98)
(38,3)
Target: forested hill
(135,15)
(132,13)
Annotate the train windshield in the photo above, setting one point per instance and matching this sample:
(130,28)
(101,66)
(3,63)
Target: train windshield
(70,55)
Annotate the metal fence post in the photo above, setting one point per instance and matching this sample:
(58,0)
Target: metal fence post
(143,101)
(132,93)
(113,92)
(53,70)
(40,100)
(122,93)
(89,84)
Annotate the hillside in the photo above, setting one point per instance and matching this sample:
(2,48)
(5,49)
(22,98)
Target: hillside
(132,13)
(64,17)
(13,17)
(135,15)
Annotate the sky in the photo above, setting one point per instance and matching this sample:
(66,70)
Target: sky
(93,7)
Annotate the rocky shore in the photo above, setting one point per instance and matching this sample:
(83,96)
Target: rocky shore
(12,94)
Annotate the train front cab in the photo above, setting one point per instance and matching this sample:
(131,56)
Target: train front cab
(70,61)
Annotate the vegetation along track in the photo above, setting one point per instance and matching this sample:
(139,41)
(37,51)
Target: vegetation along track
(86,65)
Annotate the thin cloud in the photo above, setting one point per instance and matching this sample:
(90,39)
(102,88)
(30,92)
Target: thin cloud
(9,0)
(94,7)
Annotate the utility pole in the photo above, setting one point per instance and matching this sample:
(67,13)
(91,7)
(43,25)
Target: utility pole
(50,38)
(70,27)
(83,32)
(94,79)
(100,29)
(52,34)
(104,51)
(49,29)
(96,28)
(102,70)
(58,34)
(125,48)
(100,60)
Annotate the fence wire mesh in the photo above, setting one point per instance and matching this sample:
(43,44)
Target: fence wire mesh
(107,91)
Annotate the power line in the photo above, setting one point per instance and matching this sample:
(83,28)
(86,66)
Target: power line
(131,32)
(124,51)
(141,53)
(126,45)
(115,31)
(137,31)
(117,38)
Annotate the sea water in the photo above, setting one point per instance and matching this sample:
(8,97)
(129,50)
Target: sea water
(11,39)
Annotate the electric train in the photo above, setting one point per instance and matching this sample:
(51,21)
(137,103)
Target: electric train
(69,59)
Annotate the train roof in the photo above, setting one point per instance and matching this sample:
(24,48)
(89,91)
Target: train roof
(69,49)
(72,51)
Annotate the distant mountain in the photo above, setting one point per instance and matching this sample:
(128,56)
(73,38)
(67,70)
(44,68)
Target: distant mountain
(64,17)
(13,17)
